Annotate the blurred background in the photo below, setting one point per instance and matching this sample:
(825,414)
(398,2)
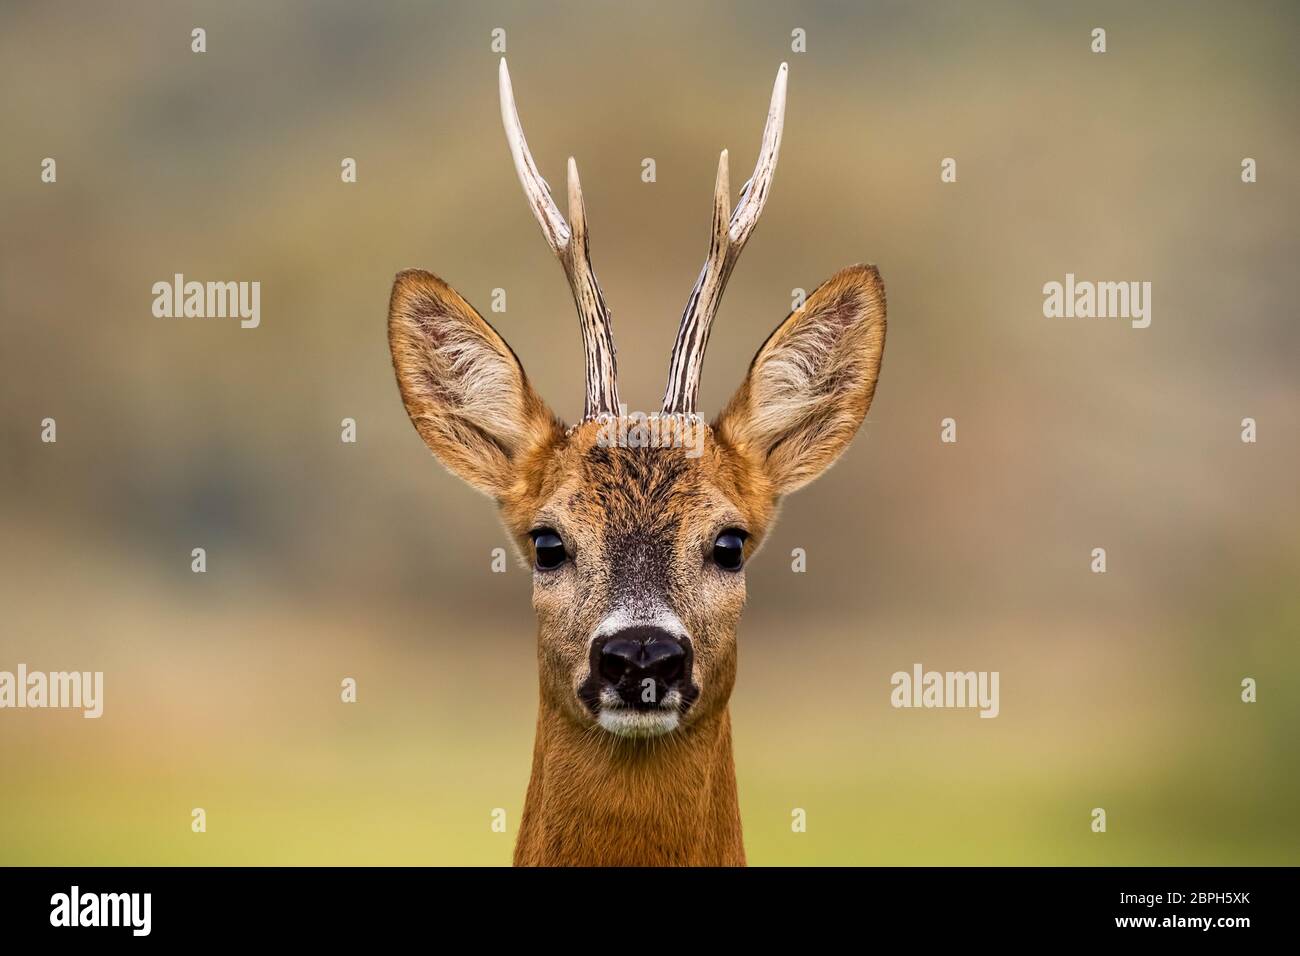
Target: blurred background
(328,560)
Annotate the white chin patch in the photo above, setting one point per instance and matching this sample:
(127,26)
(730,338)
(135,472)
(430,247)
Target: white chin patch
(624,722)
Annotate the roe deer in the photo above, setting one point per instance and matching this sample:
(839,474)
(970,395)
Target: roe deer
(638,552)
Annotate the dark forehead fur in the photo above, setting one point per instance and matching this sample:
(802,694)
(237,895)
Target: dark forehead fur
(640,486)
(642,496)
(625,491)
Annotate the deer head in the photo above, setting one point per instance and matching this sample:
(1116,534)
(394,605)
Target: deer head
(638,549)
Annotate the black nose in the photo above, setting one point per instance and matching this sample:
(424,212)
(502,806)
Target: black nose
(643,664)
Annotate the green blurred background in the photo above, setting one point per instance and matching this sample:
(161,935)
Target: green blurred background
(328,560)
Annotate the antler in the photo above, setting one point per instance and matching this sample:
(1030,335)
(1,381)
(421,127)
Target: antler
(731,230)
(569,241)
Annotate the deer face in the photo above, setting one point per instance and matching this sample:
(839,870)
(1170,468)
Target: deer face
(638,548)
(638,577)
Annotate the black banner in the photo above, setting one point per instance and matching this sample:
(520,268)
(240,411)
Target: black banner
(1168,906)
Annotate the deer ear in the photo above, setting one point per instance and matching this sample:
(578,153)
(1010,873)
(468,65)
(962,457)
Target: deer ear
(810,385)
(463,387)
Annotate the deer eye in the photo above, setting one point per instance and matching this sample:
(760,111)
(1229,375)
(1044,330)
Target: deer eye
(729,549)
(548,549)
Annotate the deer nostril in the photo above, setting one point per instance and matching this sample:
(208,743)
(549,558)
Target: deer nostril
(664,659)
(617,657)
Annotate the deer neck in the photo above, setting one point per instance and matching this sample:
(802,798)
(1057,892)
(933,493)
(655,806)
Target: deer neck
(597,800)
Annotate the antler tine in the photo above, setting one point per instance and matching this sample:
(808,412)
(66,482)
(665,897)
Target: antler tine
(535,187)
(597,332)
(569,242)
(729,238)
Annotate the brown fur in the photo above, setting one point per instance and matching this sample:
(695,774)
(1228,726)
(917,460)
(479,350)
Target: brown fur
(594,800)
(638,524)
